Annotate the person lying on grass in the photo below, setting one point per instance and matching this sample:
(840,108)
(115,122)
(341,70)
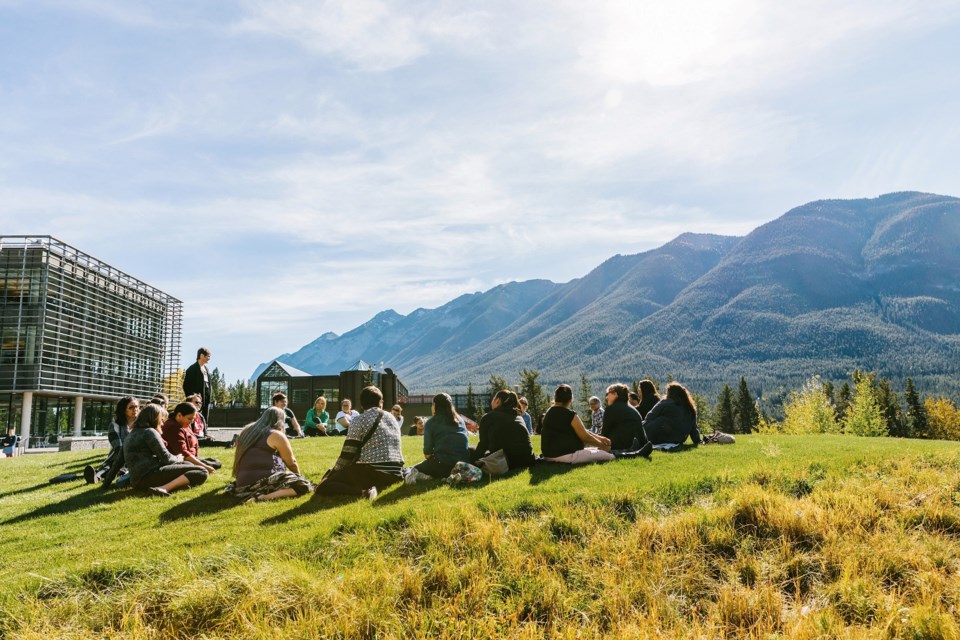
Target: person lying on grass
(444,442)
(371,459)
(503,428)
(181,439)
(151,466)
(563,438)
(264,466)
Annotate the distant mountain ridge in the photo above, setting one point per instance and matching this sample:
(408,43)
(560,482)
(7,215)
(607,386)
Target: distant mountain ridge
(827,287)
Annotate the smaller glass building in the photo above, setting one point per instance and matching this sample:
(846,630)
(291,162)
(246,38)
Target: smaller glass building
(75,335)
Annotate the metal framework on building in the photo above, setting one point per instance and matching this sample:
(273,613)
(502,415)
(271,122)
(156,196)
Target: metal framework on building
(72,325)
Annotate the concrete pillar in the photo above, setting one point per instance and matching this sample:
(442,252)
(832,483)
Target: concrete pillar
(26,412)
(77,415)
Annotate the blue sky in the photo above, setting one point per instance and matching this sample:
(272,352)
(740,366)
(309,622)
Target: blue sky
(288,168)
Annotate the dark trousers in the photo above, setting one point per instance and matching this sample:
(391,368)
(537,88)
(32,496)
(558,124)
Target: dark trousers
(434,468)
(354,480)
(196,475)
(213,462)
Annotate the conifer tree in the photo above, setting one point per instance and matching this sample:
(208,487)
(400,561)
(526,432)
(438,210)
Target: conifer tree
(842,404)
(745,410)
(584,399)
(471,403)
(724,412)
(891,409)
(916,418)
(865,416)
(537,400)
(495,384)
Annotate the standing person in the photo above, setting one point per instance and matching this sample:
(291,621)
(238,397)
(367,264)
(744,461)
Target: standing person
(279,400)
(10,442)
(596,414)
(344,417)
(264,466)
(371,459)
(673,419)
(649,397)
(196,379)
(622,424)
(397,412)
(178,433)
(564,438)
(527,420)
(315,424)
(152,468)
(503,428)
(445,442)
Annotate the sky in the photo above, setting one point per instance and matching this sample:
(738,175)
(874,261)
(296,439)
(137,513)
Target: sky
(288,168)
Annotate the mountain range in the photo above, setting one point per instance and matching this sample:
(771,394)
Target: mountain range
(826,288)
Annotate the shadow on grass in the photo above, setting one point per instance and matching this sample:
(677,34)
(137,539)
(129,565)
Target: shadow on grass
(315,504)
(94,460)
(543,471)
(213,501)
(17,492)
(405,491)
(92,496)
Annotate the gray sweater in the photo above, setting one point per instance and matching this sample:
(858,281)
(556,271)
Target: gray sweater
(144,453)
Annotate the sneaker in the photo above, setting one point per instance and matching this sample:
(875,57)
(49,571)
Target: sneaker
(89,474)
(719,437)
(645,450)
(411,476)
(370,493)
(158,491)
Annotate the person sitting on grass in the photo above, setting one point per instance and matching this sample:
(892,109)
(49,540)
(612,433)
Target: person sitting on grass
(152,468)
(564,438)
(416,429)
(371,459)
(315,424)
(649,397)
(503,428)
(341,424)
(264,467)
(623,426)
(125,413)
(178,433)
(673,419)
(128,408)
(444,442)
(199,425)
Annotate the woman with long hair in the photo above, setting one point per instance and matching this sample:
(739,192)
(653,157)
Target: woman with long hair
(264,466)
(649,397)
(564,438)
(673,419)
(152,468)
(503,428)
(124,415)
(444,442)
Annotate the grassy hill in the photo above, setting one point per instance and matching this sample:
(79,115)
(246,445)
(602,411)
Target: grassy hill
(776,536)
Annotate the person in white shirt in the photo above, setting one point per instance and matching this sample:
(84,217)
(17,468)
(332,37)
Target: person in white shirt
(344,417)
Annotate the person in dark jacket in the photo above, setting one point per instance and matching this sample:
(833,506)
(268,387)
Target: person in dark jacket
(673,419)
(152,468)
(649,397)
(621,422)
(503,428)
(196,379)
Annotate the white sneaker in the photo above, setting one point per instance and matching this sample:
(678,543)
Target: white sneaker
(411,477)
(370,493)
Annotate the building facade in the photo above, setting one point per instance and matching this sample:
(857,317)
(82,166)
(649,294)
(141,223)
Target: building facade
(75,335)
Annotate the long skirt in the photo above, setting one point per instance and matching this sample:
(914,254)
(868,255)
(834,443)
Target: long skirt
(273,482)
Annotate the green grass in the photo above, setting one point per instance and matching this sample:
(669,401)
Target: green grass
(776,536)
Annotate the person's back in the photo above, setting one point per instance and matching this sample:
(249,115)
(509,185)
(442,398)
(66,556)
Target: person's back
(446,441)
(143,451)
(557,436)
(621,424)
(258,462)
(670,423)
(505,429)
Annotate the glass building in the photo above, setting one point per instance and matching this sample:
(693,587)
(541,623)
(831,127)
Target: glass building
(75,335)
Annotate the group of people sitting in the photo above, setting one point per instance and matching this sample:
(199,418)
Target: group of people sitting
(160,452)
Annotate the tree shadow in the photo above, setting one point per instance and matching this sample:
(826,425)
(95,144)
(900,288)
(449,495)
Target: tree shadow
(94,460)
(92,496)
(203,504)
